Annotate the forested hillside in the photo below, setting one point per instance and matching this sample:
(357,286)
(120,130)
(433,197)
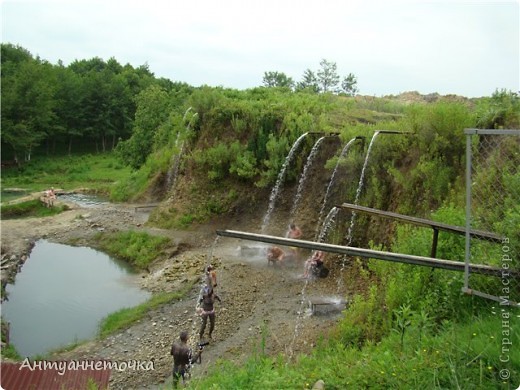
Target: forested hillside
(211,153)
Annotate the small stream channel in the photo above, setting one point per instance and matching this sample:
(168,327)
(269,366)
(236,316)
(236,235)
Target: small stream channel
(62,293)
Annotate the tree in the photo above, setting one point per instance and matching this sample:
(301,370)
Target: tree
(328,77)
(309,82)
(277,79)
(27,104)
(349,85)
(153,109)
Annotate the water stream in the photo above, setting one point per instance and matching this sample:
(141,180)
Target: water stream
(360,188)
(330,185)
(173,172)
(278,186)
(303,177)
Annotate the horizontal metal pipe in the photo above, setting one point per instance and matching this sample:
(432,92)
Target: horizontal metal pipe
(393,132)
(368,253)
(489,236)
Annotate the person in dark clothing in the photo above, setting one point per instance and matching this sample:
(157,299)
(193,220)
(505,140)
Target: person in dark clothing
(182,358)
(208,310)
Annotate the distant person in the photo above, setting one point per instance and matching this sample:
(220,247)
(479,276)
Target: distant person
(294,231)
(275,255)
(49,197)
(182,358)
(208,310)
(211,277)
(315,261)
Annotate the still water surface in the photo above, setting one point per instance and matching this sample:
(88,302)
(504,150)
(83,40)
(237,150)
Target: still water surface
(61,294)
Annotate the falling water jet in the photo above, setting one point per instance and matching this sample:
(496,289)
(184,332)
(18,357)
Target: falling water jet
(346,148)
(356,201)
(276,189)
(298,318)
(176,158)
(362,178)
(327,224)
(303,177)
(176,162)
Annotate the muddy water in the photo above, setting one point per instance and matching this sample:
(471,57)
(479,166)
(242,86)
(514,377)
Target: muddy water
(62,293)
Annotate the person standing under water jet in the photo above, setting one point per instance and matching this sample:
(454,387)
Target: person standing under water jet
(296,233)
(275,256)
(208,310)
(211,277)
(316,261)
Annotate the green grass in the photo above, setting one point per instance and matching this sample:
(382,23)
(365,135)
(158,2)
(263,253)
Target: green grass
(138,248)
(10,352)
(125,317)
(466,355)
(94,171)
(31,208)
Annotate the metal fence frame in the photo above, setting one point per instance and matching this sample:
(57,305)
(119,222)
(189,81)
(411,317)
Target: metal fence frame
(469,169)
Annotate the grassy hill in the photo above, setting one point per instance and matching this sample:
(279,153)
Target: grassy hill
(218,155)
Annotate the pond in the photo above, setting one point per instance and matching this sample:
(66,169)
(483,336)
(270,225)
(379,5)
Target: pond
(9,194)
(62,293)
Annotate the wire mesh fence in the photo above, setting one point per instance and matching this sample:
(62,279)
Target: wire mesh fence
(493,205)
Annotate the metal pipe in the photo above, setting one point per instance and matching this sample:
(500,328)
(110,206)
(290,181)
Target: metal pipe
(393,132)
(368,253)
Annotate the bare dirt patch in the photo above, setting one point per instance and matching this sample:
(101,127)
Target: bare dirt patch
(257,300)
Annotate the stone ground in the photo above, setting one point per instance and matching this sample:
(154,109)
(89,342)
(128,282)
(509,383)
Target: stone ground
(257,301)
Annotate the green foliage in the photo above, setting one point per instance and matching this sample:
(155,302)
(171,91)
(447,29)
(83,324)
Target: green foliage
(500,111)
(244,167)
(138,248)
(403,320)
(10,352)
(90,100)
(277,79)
(328,76)
(466,355)
(125,317)
(217,160)
(349,85)
(30,209)
(96,172)
(153,108)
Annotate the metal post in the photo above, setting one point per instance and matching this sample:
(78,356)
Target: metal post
(468,211)
(434,243)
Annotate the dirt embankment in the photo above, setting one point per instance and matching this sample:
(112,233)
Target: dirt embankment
(257,300)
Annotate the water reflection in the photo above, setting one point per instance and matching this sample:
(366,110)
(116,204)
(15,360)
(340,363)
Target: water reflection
(62,293)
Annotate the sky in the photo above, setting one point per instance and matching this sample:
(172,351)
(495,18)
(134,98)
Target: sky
(463,47)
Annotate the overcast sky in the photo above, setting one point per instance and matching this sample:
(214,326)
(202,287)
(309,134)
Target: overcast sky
(463,47)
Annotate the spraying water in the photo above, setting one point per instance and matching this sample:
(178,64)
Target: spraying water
(303,177)
(327,224)
(360,187)
(172,174)
(331,182)
(299,319)
(281,175)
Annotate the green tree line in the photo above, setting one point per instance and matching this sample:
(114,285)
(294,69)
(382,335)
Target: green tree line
(89,101)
